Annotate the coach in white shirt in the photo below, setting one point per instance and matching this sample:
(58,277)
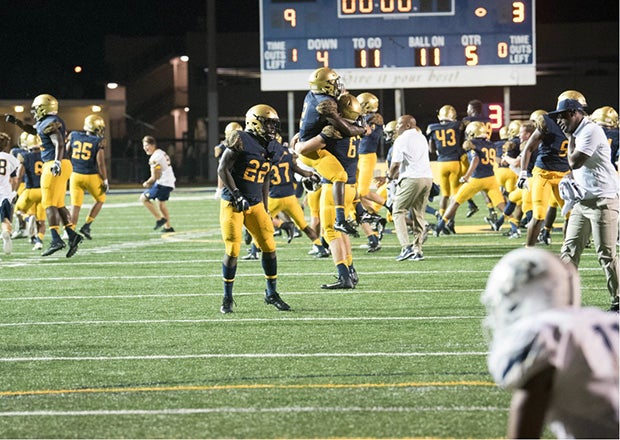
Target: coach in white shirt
(411,170)
(589,155)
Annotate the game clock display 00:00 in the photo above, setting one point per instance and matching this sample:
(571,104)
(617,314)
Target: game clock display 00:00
(398,43)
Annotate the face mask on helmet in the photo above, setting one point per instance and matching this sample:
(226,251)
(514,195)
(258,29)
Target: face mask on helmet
(262,120)
(327,81)
(389,131)
(527,281)
(43,105)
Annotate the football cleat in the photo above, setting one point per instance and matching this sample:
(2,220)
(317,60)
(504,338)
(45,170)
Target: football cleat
(491,223)
(379,226)
(289,228)
(7,243)
(85,231)
(472,210)
(347,228)
(159,223)
(275,300)
(37,246)
(341,283)
(54,247)
(250,256)
(354,276)
(20,233)
(373,247)
(73,245)
(321,252)
(514,235)
(368,217)
(170,229)
(227,305)
(450,227)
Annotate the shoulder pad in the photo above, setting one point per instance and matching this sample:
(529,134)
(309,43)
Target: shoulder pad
(468,145)
(331,133)
(327,107)
(233,141)
(20,157)
(52,127)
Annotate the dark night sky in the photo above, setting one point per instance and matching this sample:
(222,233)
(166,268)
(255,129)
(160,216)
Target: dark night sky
(44,39)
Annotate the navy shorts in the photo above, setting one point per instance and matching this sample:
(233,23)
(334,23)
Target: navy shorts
(158,192)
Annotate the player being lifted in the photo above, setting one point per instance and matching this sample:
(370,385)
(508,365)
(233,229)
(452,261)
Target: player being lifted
(319,110)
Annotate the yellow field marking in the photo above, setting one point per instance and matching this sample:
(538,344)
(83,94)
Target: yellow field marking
(247,387)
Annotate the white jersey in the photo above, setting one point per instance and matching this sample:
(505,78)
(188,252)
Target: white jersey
(159,159)
(582,346)
(8,165)
(410,149)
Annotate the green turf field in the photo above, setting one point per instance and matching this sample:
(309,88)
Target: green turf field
(125,340)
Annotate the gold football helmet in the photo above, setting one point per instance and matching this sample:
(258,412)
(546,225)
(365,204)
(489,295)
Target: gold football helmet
(232,126)
(349,107)
(606,116)
(23,140)
(262,121)
(573,94)
(503,133)
(447,113)
(389,131)
(536,114)
(94,124)
(369,102)
(33,141)
(476,129)
(43,105)
(327,81)
(513,129)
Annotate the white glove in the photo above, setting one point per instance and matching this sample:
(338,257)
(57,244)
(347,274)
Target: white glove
(522,182)
(55,169)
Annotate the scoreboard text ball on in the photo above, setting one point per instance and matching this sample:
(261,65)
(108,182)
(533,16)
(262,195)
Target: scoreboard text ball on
(387,44)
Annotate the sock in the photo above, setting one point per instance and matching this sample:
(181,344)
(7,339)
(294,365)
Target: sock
(55,234)
(270,267)
(500,221)
(89,220)
(510,208)
(471,204)
(343,270)
(228,274)
(340,218)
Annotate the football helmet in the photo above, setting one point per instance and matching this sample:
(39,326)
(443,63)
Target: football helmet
(503,133)
(230,127)
(573,94)
(369,102)
(23,139)
(43,105)
(606,116)
(33,141)
(536,114)
(513,129)
(447,113)
(94,124)
(349,107)
(526,281)
(262,121)
(389,131)
(476,129)
(327,81)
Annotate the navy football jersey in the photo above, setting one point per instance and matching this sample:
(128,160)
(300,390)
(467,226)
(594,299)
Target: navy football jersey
(612,138)
(282,176)
(346,151)
(447,137)
(252,166)
(553,150)
(311,122)
(33,166)
(45,127)
(84,148)
(485,151)
(370,143)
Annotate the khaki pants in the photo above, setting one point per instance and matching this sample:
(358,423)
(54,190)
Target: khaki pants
(411,194)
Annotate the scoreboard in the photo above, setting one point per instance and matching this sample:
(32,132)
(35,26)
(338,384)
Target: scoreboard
(388,44)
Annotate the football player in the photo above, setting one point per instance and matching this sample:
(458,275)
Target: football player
(219,149)
(550,166)
(559,360)
(320,109)
(29,200)
(89,169)
(8,190)
(445,138)
(16,151)
(479,175)
(244,169)
(607,117)
(56,171)
(160,184)
(344,149)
